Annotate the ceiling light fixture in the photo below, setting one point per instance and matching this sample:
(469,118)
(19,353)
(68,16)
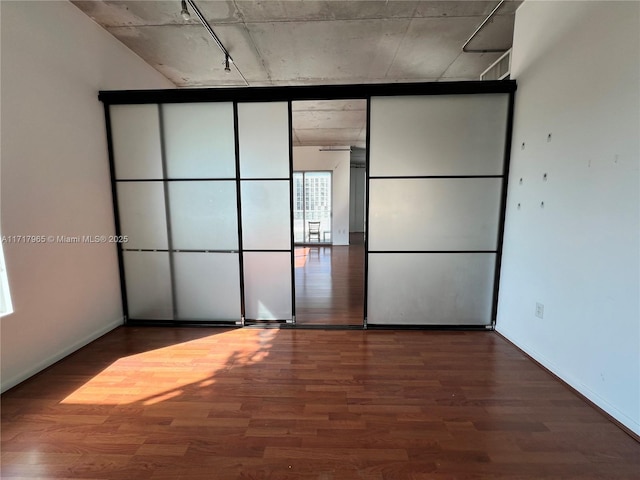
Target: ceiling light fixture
(185,11)
(227,57)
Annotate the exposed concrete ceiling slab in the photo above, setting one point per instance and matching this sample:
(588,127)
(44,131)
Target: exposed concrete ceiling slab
(308,11)
(154,13)
(298,42)
(467,64)
(496,35)
(341,51)
(188,56)
(430,46)
(469,8)
(329,122)
(327,137)
(312,42)
(329,105)
(323,118)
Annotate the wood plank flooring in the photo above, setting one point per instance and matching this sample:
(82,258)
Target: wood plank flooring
(330,284)
(178,403)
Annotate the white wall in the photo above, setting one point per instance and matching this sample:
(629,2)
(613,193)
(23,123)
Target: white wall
(311,158)
(577,66)
(55,179)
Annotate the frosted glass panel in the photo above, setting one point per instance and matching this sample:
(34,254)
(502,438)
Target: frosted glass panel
(267,283)
(135,134)
(199,140)
(438,135)
(148,281)
(263,130)
(266,218)
(430,288)
(434,214)
(142,215)
(207,286)
(204,215)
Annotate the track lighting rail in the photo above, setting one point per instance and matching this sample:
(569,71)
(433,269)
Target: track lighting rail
(228,60)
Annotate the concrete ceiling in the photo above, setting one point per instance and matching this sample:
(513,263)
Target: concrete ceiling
(330,122)
(309,42)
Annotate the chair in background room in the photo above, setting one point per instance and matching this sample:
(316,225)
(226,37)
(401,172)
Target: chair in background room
(314,230)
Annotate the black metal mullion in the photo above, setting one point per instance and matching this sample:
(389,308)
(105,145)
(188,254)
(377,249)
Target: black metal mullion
(367,171)
(204,179)
(503,208)
(266,179)
(432,251)
(239,207)
(422,177)
(116,214)
(177,250)
(267,250)
(291,219)
(153,322)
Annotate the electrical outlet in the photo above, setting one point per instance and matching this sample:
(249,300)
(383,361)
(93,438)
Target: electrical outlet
(539,310)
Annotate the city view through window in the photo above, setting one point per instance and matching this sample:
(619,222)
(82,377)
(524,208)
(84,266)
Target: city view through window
(312,207)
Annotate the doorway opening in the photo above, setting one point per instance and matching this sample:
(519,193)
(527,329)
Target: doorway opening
(328,137)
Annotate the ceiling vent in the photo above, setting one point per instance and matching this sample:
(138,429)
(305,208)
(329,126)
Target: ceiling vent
(500,69)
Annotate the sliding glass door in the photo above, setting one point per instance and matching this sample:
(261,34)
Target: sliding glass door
(265,200)
(175,178)
(435,188)
(203,197)
(312,212)
(205,192)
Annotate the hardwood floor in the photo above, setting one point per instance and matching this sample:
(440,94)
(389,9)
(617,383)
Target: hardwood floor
(330,284)
(178,403)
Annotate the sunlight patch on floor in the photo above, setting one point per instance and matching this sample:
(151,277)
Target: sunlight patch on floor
(169,372)
(302,253)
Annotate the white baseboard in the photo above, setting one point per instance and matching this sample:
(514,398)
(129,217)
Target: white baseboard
(597,400)
(6,384)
